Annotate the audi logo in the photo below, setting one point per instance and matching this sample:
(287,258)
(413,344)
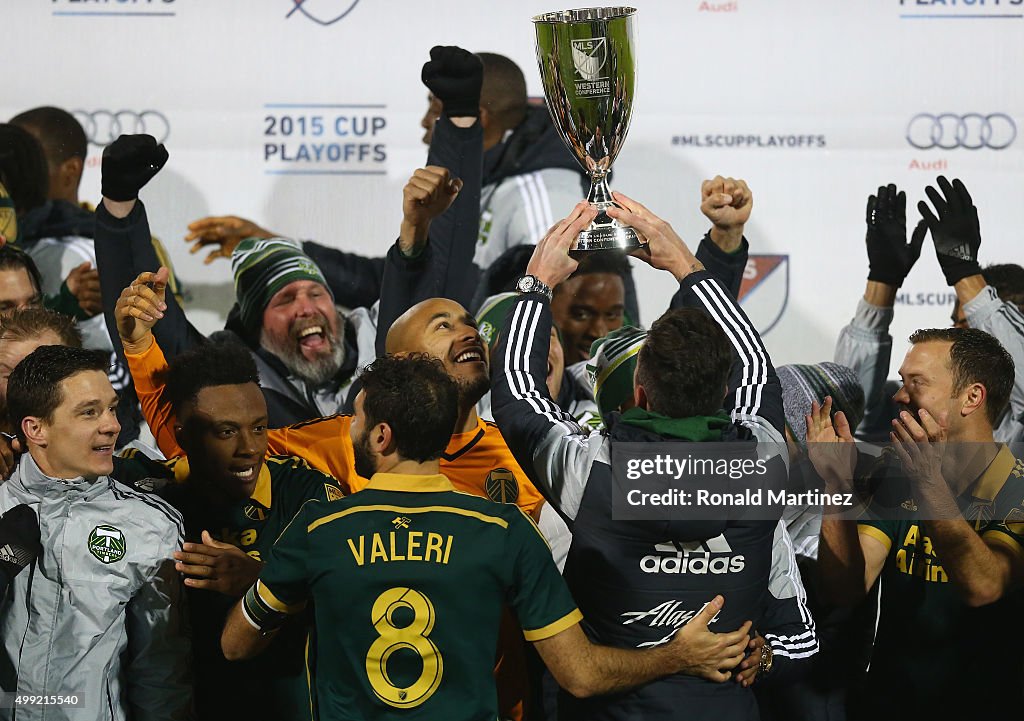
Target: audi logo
(971,131)
(102,127)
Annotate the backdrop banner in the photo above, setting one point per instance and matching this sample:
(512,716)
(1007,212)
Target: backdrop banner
(303,115)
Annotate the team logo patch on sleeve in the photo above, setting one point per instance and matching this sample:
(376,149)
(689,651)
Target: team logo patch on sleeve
(501,486)
(107,544)
(333,494)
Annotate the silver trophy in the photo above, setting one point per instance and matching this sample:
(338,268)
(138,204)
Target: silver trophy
(588,69)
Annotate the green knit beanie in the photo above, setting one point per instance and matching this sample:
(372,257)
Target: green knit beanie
(612,366)
(261,268)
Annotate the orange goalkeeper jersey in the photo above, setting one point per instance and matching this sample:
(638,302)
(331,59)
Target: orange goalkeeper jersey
(476,462)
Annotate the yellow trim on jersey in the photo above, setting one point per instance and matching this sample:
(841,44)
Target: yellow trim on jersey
(404,509)
(411,483)
(553,629)
(1003,538)
(987,487)
(535,525)
(261,494)
(268,597)
(876,533)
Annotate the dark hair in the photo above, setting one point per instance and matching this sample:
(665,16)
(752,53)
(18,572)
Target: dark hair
(224,363)
(24,323)
(60,134)
(413,394)
(684,364)
(975,357)
(503,92)
(12,258)
(605,261)
(23,169)
(506,270)
(1008,281)
(34,386)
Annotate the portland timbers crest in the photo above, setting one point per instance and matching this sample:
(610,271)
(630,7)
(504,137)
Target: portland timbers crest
(107,544)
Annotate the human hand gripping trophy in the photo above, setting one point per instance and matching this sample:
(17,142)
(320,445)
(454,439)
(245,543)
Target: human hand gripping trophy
(588,70)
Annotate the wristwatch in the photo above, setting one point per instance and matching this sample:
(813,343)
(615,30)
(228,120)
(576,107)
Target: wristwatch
(533,284)
(765,664)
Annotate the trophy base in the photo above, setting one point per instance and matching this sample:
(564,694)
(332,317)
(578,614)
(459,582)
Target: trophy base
(605,233)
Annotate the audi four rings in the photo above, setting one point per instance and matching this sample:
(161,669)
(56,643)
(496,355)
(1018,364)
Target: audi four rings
(102,127)
(971,131)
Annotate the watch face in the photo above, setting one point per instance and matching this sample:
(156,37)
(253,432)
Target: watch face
(526,284)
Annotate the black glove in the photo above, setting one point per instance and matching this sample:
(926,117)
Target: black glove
(454,76)
(19,542)
(890,256)
(129,163)
(955,232)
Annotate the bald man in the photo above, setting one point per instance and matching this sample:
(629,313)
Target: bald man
(477,460)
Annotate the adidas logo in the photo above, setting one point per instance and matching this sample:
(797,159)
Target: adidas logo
(694,557)
(17,556)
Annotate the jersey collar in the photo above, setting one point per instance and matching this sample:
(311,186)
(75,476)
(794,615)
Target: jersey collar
(409,483)
(992,480)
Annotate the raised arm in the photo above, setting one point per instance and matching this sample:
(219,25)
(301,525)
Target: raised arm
(723,251)
(956,233)
(547,442)
(865,344)
(754,389)
(433,257)
(124,248)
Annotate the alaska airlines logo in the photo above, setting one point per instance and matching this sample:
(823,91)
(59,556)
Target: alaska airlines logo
(323,12)
(713,556)
(670,615)
(764,290)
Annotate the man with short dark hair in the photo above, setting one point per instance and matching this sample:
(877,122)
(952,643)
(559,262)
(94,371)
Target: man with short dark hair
(105,582)
(408,578)
(699,354)
(944,530)
(235,499)
(64,144)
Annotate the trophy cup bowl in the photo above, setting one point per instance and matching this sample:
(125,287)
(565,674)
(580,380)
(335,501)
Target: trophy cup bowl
(588,70)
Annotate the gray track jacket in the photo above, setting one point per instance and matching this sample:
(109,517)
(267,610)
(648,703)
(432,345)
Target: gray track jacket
(99,614)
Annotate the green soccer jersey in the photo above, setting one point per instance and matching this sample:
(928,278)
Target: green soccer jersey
(274,685)
(408,578)
(932,650)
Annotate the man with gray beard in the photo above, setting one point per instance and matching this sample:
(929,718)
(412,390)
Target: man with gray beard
(308,352)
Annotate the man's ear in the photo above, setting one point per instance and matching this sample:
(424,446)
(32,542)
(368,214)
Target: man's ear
(640,397)
(975,396)
(382,439)
(485,117)
(35,431)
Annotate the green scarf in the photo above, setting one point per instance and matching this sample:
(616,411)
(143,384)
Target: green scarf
(695,428)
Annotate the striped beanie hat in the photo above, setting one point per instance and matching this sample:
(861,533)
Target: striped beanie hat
(264,266)
(491,317)
(8,217)
(802,384)
(612,366)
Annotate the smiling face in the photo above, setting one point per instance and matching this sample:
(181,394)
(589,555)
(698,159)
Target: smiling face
(224,434)
(78,439)
(444,329)
(301,326)
(11,354)
(586,308)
